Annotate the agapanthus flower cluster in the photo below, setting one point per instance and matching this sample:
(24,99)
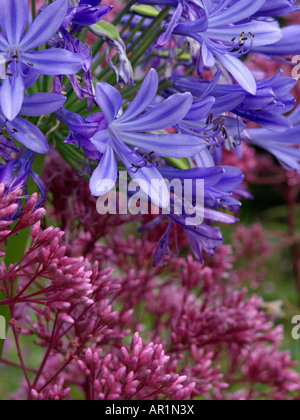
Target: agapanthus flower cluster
(146,302)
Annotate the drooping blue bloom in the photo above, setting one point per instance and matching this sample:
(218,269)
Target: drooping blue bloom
(25,132)
(219,184)
(267,107)
(18,50)
(133,127)
(225,32)
(284,146)
(14,175)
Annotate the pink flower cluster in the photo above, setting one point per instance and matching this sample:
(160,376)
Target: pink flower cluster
(112,326)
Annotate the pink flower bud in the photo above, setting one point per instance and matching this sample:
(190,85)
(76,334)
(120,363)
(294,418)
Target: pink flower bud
(66,318)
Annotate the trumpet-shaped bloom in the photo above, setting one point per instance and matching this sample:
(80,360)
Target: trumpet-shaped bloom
(284,146)
(18,49)
(219,184)
(15,173)
(267,107)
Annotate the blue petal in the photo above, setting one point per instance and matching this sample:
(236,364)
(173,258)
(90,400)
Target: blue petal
(227,102)
(207,56)
(105,175)
(200,109)
(212,176)
(217,216)
(143,99)
(45,25)
(29,135)
(12,95)
(167,145)
(198,25)
(109,100)
(165,37)
(264,33)
(164,115)
(54,61)
(13,19)
(101,140)
(30,76)
(239,71)
(156,186)
(41,103)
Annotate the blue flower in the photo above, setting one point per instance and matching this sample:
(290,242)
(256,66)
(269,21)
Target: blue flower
(267,107)
(284,146)
(219,184)
(14,175)
(133,128)
(18,50)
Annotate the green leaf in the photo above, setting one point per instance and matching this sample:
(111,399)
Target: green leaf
(145,10)
(179,163)
(105,29)
(15,248)
(183,56)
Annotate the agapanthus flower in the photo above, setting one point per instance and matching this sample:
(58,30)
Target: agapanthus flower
(225,32)
(219,184)
(284,146)
(18,50)
(15,174)
(133,127)
(267,107)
